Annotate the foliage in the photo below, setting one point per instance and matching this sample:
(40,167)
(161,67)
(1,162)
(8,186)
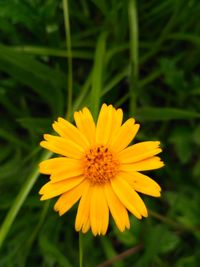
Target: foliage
(33,92)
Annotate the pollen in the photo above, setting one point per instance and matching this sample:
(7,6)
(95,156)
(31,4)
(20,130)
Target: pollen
(100,165)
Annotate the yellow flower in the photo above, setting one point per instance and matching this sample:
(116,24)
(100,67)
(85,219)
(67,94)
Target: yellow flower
(99,168)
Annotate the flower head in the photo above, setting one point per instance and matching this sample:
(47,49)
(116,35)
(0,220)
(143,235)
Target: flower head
(98,168)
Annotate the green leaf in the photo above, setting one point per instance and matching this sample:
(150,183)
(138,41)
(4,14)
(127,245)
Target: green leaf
(97,75)
(186,211)
(11,167)
(46,51)
(38,76)
(164,114)
(8,136)
(169,241)
(159,240)
(181,139)
(51,250)
(188,261)
(37,125)
(7,103)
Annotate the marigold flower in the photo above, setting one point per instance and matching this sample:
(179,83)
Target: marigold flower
(98,168)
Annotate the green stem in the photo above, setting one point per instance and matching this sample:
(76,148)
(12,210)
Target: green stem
(172,223)
(134,55)
(11,215)
(80,249)
(69,52)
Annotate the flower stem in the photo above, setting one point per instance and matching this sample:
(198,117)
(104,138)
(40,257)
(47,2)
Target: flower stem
(80,249)
(69,53)
(134,55)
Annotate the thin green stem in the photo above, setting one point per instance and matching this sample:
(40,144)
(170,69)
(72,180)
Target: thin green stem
(69,52)
(134,55)
(172,223)
(80,249)
(11,215)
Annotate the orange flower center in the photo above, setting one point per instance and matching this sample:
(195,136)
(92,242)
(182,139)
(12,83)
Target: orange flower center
(100,165)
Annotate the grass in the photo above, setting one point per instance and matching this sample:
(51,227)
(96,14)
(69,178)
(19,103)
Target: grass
(56,58)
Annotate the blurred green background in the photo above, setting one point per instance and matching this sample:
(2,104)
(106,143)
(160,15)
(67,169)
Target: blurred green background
(143,57)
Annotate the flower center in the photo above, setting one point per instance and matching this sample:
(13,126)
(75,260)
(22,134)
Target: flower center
(100,165)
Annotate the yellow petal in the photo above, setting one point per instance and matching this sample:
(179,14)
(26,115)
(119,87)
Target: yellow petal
(99,212)
(62,146)
(124,136)
(139,152)
(143,165)
(86,226)
(50,190)
(104,124)
(117,209)
(69,131)
(72,169)
(58,164)
(83,212)
(68,199)
(129,198)
(142,183)
(116,122)
(65,174)
(85,123)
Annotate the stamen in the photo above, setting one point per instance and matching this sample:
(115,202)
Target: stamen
(100,165)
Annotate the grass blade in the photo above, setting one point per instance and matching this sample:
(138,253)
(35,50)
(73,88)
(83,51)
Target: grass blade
(98,73)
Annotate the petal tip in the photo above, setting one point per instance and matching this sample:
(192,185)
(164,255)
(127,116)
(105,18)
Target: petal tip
(46,136)
(42,197)
(42,168)
(60,119)
(42,143)
(146,214)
